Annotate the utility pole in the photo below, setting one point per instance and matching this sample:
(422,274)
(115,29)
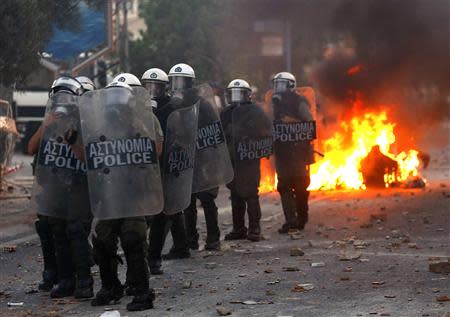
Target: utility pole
(288,46)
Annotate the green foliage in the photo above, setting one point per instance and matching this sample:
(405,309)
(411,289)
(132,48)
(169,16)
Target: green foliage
(178,31)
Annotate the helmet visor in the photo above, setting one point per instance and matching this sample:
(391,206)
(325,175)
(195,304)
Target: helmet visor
(179,83)
(155,89)
(237,95)
(280,86)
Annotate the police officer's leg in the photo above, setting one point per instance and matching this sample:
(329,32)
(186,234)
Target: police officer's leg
(190,216)
(105,255)
(156,242)
(64,260)
(238,207)
(132,237)
(49,275)
(180,249)
(254,217)
(207,200)
(288,203)
(77,232)
(301,197)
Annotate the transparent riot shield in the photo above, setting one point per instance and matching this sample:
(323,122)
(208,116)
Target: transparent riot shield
(252,141)
(60,186)
(120,152)
(178,158)
(212,160)
(294,130)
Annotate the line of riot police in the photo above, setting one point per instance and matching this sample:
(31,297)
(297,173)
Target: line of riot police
(136,155)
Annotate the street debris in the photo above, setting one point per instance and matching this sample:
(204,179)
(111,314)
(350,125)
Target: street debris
(251,302)
(380,217)
(15,304)
(222,311)
(291,269)
(268,271)
(9,249)
(349,255)
(187,284)
(112,313)
(443,298)
(296,252)
(210,265)
(303,287)
(317,264)
(442,267)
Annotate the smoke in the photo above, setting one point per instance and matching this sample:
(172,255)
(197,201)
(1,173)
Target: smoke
(390,52)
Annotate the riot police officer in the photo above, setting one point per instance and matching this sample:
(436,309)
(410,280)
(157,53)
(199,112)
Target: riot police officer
(293,153)
(120,115)
(180,80)
(248,132)
(61,195)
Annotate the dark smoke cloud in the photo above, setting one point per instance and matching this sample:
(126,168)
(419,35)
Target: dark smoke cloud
(402,47)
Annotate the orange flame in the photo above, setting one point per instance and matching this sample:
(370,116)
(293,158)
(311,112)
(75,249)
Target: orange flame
(355,70)
(344,151)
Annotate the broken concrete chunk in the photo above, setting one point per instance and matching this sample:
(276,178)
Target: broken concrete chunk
(440,267)
(222,311)
(297,252)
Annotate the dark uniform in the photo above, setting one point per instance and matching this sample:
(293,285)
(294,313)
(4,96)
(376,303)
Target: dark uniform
(160,222)
(244,187)
(292,160)
(207,200)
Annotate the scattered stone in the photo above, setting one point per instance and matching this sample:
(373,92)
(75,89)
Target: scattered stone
(440,267)
(443,298)
(380,217)
(412,246)
(390,296)
(345,278)
(187,284)
(317,264)
(377,284)
(268,271)
(210,265)
(274,282)
(112,313)
(291,269)
(269,292)
(189,272)
(347,269)
(15,304)
(349,255)
(296,236)
(222,311)
(31,291)
(366,226)
(297,252)
(303,287)
(9,248)
(242,275)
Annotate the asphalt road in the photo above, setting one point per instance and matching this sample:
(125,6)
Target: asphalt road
(386,272)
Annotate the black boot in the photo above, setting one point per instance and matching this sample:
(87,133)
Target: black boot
(155,267)
(84,288)
(49,278)
(64,288)
(289,208)
(50,273)
(106,295)
(142,301)
(180,249)
(238,206)
(254,218)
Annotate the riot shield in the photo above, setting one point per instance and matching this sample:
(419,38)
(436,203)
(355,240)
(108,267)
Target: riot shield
(294,130)
(252,141)
(212,166)
(120,152)
(60,186)
(178,158)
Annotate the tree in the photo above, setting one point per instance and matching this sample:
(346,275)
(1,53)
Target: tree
(178,31)
(26,26)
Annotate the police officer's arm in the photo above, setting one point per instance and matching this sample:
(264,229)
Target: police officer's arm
(33,144)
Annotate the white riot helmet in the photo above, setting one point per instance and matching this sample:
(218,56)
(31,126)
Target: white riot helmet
(67,84)
(86,82)
(283,81)
(238,91)
(119,84)
(181,77)
(155,80)
(127,78)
